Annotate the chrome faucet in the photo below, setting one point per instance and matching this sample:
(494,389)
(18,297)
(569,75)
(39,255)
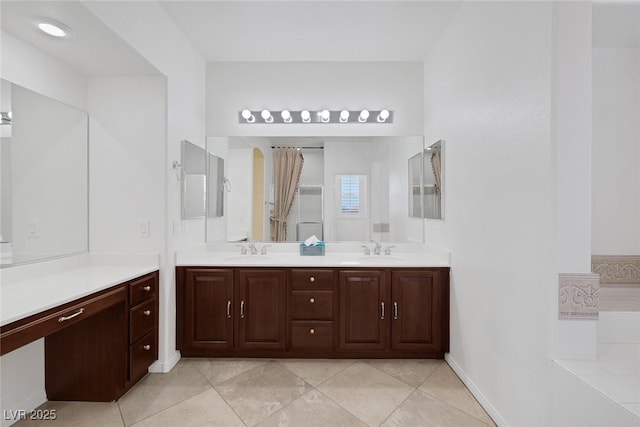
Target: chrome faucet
(243,249)
(376,250)
(367,251)
(387,250)
(253,249)
(263,250)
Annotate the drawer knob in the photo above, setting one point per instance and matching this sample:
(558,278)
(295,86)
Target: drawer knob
(312,331)
(146,288)
(147,312)
(147,347)
(312,300)
(312,279)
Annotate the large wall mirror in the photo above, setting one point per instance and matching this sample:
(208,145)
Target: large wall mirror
(203,182)
(350,189)
(44,177)
(426,182)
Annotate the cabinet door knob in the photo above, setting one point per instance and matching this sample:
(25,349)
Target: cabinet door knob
(229,309)
(147,347)
(147,312)
(312,300)
(382,311)
(146,288)
(312,331)
(312,279)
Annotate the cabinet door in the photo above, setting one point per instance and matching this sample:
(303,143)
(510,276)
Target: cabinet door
(261,321)
(363,310)
(209,309)
(417,310)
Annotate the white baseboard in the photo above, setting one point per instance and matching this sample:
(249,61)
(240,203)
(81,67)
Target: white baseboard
(484,402)
(29,404)
(162,367)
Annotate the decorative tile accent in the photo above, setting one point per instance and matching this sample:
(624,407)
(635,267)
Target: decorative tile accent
(579,296)
(617,269)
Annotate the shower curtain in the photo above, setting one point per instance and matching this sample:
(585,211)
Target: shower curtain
(287,166)
(436,166)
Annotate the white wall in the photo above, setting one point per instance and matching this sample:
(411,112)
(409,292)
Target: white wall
(174,56)
(29,67)
(487,94)
(234,86)
(616,151)
(127,133)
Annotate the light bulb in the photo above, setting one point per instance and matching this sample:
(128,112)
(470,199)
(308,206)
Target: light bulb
(286,116)
(51,29)
(266,116)
(383,116)
(344,116)
(306,116)
(246,114)
(364,115)
(325,115)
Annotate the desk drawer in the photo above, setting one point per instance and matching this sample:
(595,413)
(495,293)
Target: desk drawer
(40,325)
(142,320)
(311,279)
(311,335)
(141,355)
(143,289)
(312,305)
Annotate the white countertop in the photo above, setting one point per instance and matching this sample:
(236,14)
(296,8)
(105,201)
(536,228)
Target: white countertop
(32,294)
(418,257)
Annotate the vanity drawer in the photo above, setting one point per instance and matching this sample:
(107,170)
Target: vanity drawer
(312,305)
(143,289)
(311,335)
(22,332)
(141,355)
(311,279)
(142,319)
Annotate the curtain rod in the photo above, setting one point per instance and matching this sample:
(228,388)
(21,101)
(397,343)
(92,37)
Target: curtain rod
(301,148)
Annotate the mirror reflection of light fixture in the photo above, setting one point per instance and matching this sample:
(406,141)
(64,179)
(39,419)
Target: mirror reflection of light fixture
(250,118)
(344,116)
(286,116)
(325,115)
(383,116)
(306,116)
(266,116)
(364,115)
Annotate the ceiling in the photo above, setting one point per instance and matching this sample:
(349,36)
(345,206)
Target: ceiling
(616,24)
(312,30)
(95,51)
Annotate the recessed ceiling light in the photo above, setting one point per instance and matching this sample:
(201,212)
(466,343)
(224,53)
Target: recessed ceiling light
(53,28)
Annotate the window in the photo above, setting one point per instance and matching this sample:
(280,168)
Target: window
(350,194)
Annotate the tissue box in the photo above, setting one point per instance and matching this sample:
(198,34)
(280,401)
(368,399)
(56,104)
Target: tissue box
(315,250)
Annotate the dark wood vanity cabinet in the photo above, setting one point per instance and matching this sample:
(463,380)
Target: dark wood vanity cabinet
(222,311)
(313,312)
(96,347)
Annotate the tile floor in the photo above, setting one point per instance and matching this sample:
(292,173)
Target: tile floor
(286,392)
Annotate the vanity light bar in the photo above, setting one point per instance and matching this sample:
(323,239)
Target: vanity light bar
(310,116)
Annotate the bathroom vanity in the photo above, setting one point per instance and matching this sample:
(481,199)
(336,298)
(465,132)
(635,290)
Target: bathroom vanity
(338,306)
(99,323)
